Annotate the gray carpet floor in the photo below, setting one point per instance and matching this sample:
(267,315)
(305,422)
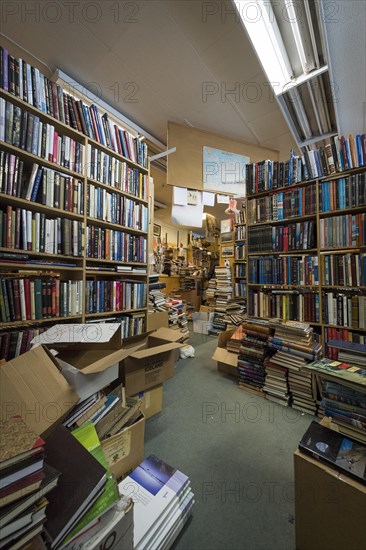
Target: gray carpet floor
(237,448)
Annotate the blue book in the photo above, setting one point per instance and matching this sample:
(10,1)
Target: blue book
(359,150)
(348,152)
(36,184)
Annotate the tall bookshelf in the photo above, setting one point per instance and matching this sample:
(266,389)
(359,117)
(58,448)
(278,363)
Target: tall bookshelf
(74,212)
(306,253)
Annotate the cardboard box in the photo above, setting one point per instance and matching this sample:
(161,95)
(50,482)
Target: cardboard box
(164,336)
(227,362)
(148,365)
(151,401)
(224,337)
(33,387)
(88,355)
(330,507)
(125,450)
(157,320)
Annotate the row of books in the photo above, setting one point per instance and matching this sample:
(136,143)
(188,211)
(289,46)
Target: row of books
(239,251)
(267,174)
(104,296)
(344,269)
(240,270)
(344,309)
(284,270)
(30,299)
(26,131)
(111,171)
(340,334)
(22,229)
(16,342)
(282,238)
(343,231)
(115,208)
(342,193)
(240,233)
(29,84)
(289,305)
(240,217)
(240,289)
(283,205)
(108,244)
(338,155)
(132,324)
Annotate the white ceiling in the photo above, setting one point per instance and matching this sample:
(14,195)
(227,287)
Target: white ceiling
(154,59)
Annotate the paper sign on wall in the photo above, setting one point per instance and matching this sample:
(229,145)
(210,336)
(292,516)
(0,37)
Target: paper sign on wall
(193,197)
(223,199)
(187,215)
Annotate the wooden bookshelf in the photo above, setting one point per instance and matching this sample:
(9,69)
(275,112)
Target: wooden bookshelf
(117,181)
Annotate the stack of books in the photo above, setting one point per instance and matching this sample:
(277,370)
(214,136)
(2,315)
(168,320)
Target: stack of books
(346,407)
(210,292)
(276,384)
(163,502)
(224,286)
(234,343)
(177,317)
(25,480)
(254,351)
(350,352)
(295,346)
(157,298)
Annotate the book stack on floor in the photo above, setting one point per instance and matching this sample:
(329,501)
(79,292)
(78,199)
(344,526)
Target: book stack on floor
(210,292)
(295,346)
(254,351)
(186,281)
(177,317)
(234,343)
(163,502)
(25,481)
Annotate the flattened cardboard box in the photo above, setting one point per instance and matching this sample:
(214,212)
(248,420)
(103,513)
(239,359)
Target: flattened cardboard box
(227,361)
(125,450)
(151,401)
(89,355)
(33,387)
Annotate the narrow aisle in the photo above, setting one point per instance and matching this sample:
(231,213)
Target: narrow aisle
(236,448)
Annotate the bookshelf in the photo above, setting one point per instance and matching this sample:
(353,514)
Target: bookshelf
(74,212)
(306,248)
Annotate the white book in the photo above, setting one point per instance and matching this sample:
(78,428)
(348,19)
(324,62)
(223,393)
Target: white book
(20,62)
(181,519)
(29,85)
(31,182)
(29,229)
(153,485)
(37,90)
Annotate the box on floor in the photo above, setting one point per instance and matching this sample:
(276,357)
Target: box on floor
(151,362)
(227,361)
(156,319)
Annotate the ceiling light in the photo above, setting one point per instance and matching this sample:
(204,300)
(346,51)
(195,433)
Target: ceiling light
(300,26)
(261,25)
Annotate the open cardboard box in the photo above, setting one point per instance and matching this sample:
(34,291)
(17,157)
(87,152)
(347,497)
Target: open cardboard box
(151,401)
(227,362)
(88,355)
(157,319)
(33,387)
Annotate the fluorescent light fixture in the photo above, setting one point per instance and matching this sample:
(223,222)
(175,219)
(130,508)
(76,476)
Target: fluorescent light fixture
(261,25)
(300,29)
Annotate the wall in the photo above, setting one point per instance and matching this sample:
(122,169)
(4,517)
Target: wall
(185,165)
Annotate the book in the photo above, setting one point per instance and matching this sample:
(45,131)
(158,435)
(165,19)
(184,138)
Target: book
(88,437)
(343,453)
(153,486)
(82,481)
(17,442)
(9,513)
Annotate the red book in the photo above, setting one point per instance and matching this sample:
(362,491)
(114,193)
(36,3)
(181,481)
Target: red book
(56,112)
(53,297)
(27,299)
